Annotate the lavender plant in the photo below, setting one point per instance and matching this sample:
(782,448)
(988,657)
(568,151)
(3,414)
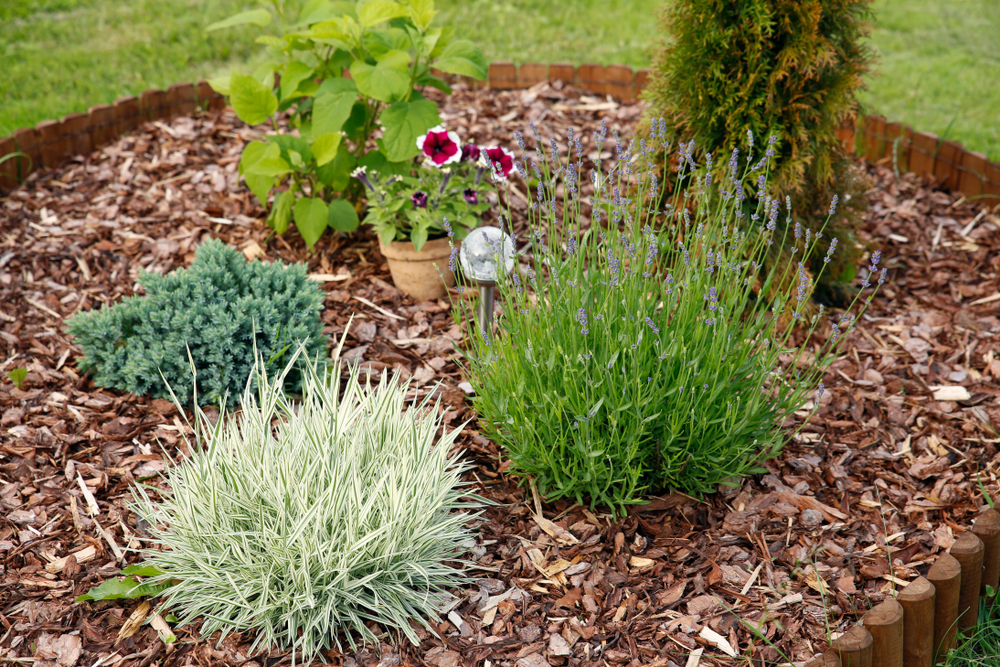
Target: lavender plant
(640,349)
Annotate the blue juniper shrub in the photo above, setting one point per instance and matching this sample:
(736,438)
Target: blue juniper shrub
(640,349)
(218,309)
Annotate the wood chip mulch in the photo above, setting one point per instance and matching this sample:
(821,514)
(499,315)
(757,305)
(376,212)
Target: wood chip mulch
(883,468)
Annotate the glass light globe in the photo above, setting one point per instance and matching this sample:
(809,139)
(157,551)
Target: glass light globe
(481,250)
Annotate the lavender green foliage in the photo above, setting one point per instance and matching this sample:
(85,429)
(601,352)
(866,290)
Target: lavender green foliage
(639,349)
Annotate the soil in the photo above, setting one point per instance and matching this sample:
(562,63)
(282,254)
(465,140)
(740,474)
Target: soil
(885,469)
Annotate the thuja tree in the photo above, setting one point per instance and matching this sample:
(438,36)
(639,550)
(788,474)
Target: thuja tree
(784,68)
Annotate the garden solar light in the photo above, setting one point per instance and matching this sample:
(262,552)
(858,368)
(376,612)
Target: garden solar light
(481,250)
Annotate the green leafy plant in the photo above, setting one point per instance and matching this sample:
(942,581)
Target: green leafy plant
(788,68)
(18,376)
(441,198)
(211,314)
(128,588)
(389,49)
(305,519)
(644,349)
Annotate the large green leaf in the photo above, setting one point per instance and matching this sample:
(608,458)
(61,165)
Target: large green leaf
(464,58)
(330,110)
(281,214)
(220,84)
(310,219)
(315,11)
(342,216)
(422,13)
(258,17)
(337,85)
(259,185)
(379,11)
(294,73)
(324,148)
(337,174)
(404,122)
(386,81)
(128,589)
(252,101)
(269,163)
(380,41)
(289,143)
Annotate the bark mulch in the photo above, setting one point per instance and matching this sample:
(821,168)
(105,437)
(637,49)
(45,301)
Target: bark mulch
(884,470)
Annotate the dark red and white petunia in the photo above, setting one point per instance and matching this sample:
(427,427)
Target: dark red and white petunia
(470,153)
(500,159)
(419,199)
(471,196)
(440,146)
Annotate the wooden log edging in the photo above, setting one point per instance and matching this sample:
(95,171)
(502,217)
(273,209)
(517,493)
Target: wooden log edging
(49,142)
(924,621)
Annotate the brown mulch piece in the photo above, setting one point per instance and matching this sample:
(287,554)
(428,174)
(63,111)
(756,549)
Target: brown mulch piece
(883,469)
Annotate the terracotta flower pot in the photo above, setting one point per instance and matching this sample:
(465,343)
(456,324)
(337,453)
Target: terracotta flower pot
(414,272)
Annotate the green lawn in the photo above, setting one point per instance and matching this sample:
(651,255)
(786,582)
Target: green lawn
(939,60)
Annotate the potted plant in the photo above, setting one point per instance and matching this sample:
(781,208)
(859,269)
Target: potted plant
(419,217)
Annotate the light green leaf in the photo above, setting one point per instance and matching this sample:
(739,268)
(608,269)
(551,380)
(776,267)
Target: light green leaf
(422,13)
(330,110)
(337,85)
(325,147)
(291,144)
(464,58)
(259,185)
(252,101)
(18,376)
(269,163)
(418,236)
(271,40)
(258,17)
(281,214)
(342,216)
(142,570)
(404,122)
(294,73)
(310,219)
(337,174)
(386,81)
(220,84)
(315,11)
(380,41)
(380,11)
(128,589)
(333,29)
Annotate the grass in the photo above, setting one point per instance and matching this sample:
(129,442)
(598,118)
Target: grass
(939,62)
(939,66)
(63,56)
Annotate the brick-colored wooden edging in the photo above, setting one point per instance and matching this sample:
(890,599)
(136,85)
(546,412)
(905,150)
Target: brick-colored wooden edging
(948,162)
(49,142)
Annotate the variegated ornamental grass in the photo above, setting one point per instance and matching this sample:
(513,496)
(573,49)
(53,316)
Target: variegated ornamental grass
(305,519)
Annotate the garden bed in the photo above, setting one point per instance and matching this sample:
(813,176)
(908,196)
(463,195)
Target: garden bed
(804,544)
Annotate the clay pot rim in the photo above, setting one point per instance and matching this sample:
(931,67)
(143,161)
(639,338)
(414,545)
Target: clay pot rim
(403,251)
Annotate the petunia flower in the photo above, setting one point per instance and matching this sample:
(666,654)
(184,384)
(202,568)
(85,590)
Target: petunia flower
(361,174)
(501,159)
(440,146)
(471,196)
(470,153)
(419,199)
